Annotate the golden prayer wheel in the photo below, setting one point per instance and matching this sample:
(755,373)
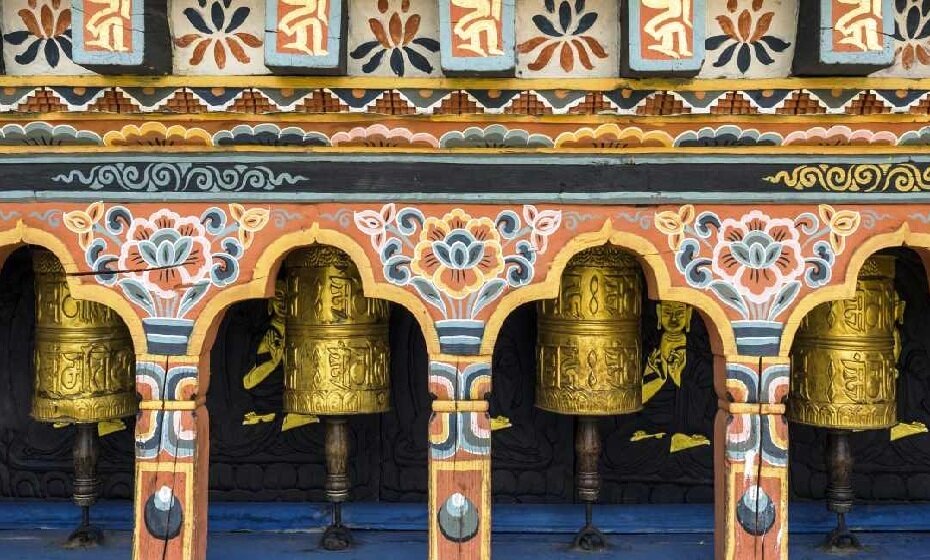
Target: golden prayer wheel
(84,359)
(84,374)
(589,342)
(336,359)
(589,359)
(336,353)
(843,378)
(843,357)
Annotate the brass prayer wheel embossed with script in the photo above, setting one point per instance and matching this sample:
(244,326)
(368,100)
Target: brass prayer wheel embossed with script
(589,342)
(336,357)
(84,358)
(843,357)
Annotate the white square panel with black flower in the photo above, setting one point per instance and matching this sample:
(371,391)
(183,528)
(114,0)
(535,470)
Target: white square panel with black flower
(218,36)
(37,37)
(750,38)
(394,38)
(567,38)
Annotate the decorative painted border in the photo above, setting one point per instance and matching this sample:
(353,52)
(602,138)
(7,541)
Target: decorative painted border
(454,97)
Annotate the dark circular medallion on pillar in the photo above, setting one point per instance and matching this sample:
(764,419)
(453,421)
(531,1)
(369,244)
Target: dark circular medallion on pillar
(458,518)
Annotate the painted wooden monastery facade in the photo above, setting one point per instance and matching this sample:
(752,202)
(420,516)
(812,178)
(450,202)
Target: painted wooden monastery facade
(671,128)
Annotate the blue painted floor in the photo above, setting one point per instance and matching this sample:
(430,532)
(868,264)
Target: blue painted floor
(411,545)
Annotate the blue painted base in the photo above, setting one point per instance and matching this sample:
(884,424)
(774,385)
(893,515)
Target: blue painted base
(693,519)
(411,545)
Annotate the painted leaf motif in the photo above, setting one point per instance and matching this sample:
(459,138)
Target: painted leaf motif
(585,23)
(542,60)
(397,62)
(715,42)
(762,54)
(545,26)
(194,17)
(217,15)
(565,15)
(374,63)
(729,295)
(237,18)
(192,296)
(364,49)
(64,22)
(16,37)
(488,293)
(429,293)
(775,43)
(136,292)
(532,44)
(784,298)
(249,39)
(762,26)
(427,43)
(29,20)
(51,53)
(411,27)
(418,60)
(595,46)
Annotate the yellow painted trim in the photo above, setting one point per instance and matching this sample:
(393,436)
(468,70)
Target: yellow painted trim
(753,408)
(647,121)
(653,265)
(167,405)
(24,234)
(903,236)
(266,270)
(684,152)
(460,406)
(364,82)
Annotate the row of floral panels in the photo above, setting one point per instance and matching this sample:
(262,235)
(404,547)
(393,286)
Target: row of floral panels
(581,38)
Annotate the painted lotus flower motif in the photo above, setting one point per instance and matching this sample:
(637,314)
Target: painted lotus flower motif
(912,33)
(399,39)
(458,263)
(567,32)
(757,263)
(48,30)
(165,252)
(165,262)
(757,254)
(745,35)
(218,29)
(458,253)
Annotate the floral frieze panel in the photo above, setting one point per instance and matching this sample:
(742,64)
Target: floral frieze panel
(394,38)
(757,264)
(459,264)
(37,37)
(567,38)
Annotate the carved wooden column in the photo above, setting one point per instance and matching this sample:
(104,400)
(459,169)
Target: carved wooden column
(752,486)
(460,460)
(172,460)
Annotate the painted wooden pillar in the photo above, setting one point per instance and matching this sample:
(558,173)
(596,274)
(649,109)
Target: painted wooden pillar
(172,460)
(121,36)
(837,37)
(460,459)
(663,37)
(306,38)
(477,37)
(752,509)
